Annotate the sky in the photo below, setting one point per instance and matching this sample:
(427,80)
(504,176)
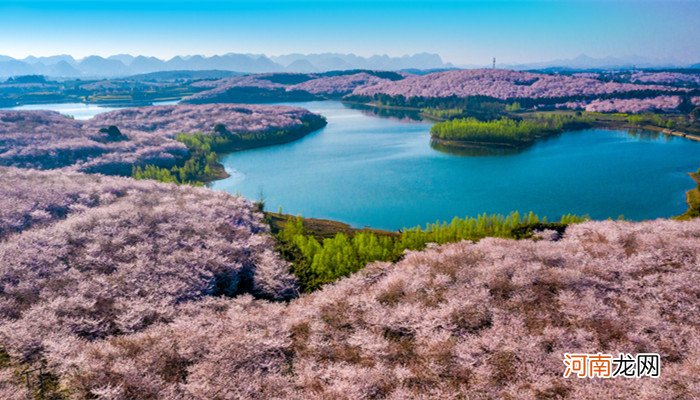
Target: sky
(462,32)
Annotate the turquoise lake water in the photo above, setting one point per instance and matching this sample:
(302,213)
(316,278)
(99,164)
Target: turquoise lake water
(382,172)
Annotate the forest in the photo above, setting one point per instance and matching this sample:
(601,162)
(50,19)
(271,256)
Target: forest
(693,199)
(321,260)
(505,131)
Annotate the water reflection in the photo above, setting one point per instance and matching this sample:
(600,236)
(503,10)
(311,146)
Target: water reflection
(474,151)
(401,115)
(648,135)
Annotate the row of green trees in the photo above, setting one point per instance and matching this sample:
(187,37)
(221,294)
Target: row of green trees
(504,131)
(200,167)
(197,170)
(480,107)
(439,113)
(663,121)
(507,131)
(693,198)
(318,261)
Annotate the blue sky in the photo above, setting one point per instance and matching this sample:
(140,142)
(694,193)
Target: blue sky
(463,32)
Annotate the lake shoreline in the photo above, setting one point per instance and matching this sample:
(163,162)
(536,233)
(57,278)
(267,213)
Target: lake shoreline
(292,194)
(473,147)
(220,173)
(294,135)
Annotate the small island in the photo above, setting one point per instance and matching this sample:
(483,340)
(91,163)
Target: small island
(504,132)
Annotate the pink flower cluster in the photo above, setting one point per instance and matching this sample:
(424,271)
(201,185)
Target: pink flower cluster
(660,103)
(45,140)
(318,85)
(222,85)
(110,85)
(95,256)
(30,199)
(500,84)
(574,105)
(119,316)
(592,75)
(695,101)
(665,77)
(340,84)
(170,120)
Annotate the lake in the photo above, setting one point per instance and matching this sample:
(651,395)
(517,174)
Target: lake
(80,111)
(382,172)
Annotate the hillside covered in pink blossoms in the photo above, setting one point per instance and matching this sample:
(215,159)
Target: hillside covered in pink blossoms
(170,120)
(621,91)
(48,140)
(633,106)
(499,84)
(139,290)
(84,257)
(669,78)
(279,87)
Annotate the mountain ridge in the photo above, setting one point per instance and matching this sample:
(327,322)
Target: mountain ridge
(66,66)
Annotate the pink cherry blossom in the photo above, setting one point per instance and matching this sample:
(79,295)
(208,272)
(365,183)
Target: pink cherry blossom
(501,84)
(665,77)
(660,103)
(141,290)
(48,140)
(322,85)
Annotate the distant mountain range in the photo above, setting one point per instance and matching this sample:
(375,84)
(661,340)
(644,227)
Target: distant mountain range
(65,66)
(586,62)
(123,64)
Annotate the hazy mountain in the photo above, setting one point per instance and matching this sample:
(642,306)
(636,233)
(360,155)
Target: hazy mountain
(127,64)
(337,61)
(586,62)
(62,69)
(327,61)
(176,63)
(301,65)
(125,59)
(142,64)
(234,62)
(50,60)
(175,75)
(14,67)
(102,67)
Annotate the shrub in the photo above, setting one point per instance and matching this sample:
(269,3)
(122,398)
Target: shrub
(317,262)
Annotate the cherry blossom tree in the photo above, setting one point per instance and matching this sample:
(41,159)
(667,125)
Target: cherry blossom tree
(48,140)
(140,290)
(502,84)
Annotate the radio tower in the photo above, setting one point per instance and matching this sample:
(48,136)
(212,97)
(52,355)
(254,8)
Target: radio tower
(494,63)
